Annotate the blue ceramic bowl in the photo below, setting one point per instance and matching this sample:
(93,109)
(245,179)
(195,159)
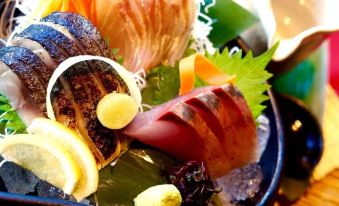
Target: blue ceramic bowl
(271,163)
(272,160)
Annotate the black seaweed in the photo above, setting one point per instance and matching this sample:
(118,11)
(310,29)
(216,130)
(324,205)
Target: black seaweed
(193,182)
(18,180)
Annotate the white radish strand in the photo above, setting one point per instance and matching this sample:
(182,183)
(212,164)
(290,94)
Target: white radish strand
(126,76)
(140,78)
(202,27)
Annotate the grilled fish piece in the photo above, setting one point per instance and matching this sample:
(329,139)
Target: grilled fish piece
(17,95)
(79,89)
(82,30)
(28,76)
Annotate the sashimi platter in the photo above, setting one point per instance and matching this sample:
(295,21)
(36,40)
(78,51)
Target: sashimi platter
(134,102)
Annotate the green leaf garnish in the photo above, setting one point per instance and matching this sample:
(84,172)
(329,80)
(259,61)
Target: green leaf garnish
(162,85)
(251,78)
(137,170)
(251,75)
(9,119)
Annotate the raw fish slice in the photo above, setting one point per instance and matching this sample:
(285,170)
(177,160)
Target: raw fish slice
(212,151)
(241,117)
(208,103)
(173,137)
(147,32)
(217,116)
(215,112)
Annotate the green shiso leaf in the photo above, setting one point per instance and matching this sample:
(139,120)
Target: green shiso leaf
(163,82)
(162,85)
(9,119)
(229,20)
(251,76)
(137,170)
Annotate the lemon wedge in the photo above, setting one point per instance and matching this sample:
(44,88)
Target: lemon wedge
(78,149)
(116,110)
(44,157)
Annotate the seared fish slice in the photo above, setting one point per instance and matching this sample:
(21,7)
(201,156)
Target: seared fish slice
(82,30)
(28,76)
(76,94)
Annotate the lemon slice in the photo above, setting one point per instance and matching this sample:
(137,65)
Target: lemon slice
(116,110)
(44,157)
(79,150)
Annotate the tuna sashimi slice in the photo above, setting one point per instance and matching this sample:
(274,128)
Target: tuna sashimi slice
(246,142)
(172,136)
(211,151)
(212,124)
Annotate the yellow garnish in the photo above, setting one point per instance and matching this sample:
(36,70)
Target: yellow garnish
(116,110)
(78,149)
(45,157)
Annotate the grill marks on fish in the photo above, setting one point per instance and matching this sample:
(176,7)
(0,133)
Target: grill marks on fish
(82,30)
(31,60)
(64,108)
(87,94)
(110,79)
(79,89)
(27,75)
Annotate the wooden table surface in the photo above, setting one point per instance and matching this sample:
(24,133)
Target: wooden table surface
(324,187)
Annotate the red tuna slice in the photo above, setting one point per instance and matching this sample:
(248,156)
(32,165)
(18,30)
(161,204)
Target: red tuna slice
(172,136)
(157,112)
(211,109)
(188,128)
(215,113)
(212,152)
(246,141)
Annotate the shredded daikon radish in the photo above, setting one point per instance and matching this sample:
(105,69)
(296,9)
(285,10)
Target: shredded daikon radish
(202,27)
(19,23)
(127,76)
(140,78)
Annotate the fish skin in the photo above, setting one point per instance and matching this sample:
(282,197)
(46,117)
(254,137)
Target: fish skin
(229,144)
(82,30)
(27,75)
